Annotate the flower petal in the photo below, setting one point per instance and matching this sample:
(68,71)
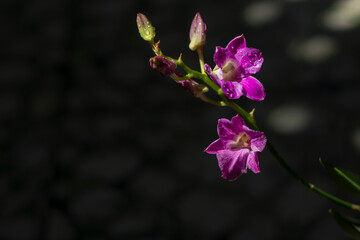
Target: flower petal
(238,123)
(232,90)
(207,69)
(215,146)
(215,76)
(218,75)
(236,44)
(251,61)
(233,163)
(220,56)
(258,144)
(225,129)
(253,162)
(253,89)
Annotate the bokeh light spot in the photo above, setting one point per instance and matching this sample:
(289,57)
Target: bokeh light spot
(289,119)
(343,15)
(261,13)
(313,50)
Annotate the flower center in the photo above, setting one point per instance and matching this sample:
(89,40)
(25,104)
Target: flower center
(240,141)
(229,70)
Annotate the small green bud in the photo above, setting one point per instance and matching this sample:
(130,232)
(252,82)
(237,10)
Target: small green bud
(146,30)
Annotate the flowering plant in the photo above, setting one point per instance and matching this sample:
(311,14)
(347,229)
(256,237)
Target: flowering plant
(237,147)
(240,139)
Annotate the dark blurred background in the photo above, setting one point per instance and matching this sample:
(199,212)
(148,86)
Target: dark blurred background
(96,145)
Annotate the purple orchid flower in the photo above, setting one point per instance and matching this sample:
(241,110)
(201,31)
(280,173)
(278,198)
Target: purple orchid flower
(237,147)
(234,65)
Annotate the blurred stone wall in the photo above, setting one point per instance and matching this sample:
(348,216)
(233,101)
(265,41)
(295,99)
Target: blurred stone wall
(95,145)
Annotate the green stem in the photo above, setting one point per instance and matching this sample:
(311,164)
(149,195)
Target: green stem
(201,59)
(176,78)
(349,180)
(155,48)
(211,101)
(248,117)
(199,75)
(310,186)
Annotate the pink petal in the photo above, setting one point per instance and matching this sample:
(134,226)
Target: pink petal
(232,90)
(253,162)
(251,61)
(236,44)
(220,56)
(238,123)
(233,163)
(215,146)
(207,69)
(218,75)
(225,129)
(214,77)
(253,89)
(258,144)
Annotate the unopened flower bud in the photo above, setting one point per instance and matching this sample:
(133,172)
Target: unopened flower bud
(197,33)
(193,87)
(165,66)
(146,30)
